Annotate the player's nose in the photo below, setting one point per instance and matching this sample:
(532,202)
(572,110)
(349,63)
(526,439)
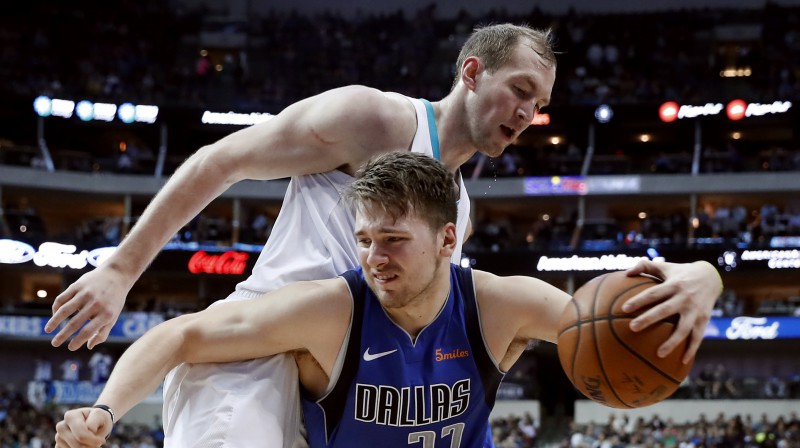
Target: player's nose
(377,256)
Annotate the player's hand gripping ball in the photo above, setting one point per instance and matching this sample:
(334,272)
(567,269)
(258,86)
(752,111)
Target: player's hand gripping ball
(607,361)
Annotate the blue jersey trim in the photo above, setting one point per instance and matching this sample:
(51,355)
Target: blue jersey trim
(334,403)
(490,376)
(432,128)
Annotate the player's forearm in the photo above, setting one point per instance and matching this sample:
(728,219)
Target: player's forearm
(142,367)
(193,186)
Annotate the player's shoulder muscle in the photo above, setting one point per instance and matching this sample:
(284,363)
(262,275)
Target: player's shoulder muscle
(376,118)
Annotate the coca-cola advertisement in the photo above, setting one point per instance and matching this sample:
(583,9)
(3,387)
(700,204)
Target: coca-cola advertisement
(68,257)
(226,263)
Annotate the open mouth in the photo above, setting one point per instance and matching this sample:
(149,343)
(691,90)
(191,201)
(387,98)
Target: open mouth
(507,131)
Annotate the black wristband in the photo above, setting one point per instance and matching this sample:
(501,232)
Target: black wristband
(107,409)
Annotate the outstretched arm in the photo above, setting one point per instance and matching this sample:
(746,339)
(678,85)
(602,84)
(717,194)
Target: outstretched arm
(524,308)
(515,310)
(307,315)
(339,129)
(689,290)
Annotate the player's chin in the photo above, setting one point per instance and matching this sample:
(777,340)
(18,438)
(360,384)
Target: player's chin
(495,150)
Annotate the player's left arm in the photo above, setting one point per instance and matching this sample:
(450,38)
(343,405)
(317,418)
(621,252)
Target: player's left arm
(689,290)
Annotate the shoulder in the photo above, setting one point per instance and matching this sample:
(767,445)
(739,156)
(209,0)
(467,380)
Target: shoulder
(361,120)
(366,105)
(485,283)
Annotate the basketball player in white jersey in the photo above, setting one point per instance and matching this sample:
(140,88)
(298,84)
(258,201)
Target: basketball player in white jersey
(505,74)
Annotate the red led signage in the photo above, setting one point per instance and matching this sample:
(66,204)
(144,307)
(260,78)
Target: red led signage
(226,263)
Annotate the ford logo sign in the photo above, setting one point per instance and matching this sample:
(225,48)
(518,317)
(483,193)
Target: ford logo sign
(97,256)
(14,252)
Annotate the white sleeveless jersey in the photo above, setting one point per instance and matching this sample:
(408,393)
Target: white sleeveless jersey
(313,239)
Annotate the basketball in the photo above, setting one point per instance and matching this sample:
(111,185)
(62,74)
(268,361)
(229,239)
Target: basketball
(604,359)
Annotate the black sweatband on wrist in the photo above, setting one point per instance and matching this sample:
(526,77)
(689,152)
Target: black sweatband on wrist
(107,409)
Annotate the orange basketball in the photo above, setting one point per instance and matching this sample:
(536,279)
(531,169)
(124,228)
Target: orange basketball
(604,359)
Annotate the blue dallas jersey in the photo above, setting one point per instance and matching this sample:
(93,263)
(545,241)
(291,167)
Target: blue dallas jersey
(391,391)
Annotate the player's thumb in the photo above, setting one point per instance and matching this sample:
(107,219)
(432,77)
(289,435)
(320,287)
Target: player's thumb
(99,422)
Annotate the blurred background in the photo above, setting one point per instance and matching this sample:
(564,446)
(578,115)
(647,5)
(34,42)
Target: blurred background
(672,135)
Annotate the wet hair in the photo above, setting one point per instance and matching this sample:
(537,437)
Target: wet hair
(495,44)
(405,183)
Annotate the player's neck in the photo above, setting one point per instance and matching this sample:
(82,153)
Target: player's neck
(454,145)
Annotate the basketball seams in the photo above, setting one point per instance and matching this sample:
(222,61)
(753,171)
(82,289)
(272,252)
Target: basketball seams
(597,346)
(577,341)
(615,355)
(626,346)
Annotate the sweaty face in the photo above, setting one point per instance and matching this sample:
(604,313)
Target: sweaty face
(399,257)
(504,101)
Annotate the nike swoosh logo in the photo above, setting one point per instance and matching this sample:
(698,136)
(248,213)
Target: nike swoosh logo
(371,357)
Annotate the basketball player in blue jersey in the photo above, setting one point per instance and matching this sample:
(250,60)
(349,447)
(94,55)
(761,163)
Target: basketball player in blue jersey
(505,74)
(406,350)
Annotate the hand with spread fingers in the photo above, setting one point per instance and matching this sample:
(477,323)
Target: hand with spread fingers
(94,301)
(689,290)
(83,428)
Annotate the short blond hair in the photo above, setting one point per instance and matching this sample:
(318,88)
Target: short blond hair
(494,45)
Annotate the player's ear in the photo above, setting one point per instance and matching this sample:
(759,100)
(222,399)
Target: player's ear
(449,240)
(470,70)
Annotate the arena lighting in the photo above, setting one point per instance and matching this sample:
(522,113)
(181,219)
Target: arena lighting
(540,119)
(609,262)
(15,252)
(668,112)
(736,72)
(88,111)
(85,110)
(603,113)
(727,260)
(60,255)
(104,111)
(96,257)
(738,109)
(52,254)
(126,113)
(671,111)
(234,118)
(747,328)
(43,106)
(644,138)
(776,259)
(652,252)
(227,263)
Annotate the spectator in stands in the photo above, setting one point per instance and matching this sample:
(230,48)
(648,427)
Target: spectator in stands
(44,369)
(705,382)
(723,383)
(529,429)
(775,387)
